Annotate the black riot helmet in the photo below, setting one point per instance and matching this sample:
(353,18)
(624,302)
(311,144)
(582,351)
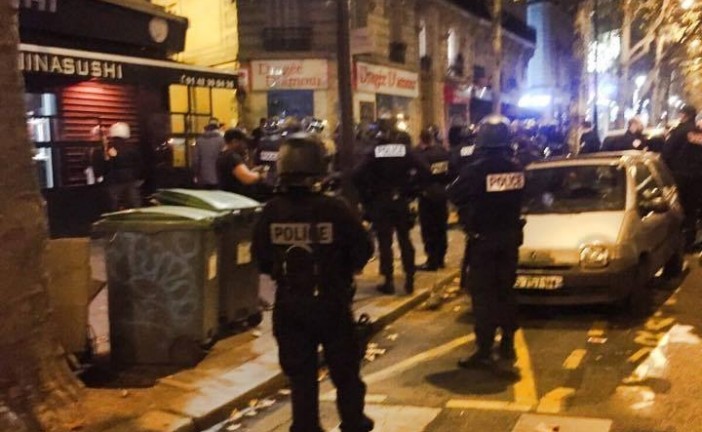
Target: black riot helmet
(494,132)
(301,161)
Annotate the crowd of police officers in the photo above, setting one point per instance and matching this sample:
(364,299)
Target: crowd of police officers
(481,174)
(314,268)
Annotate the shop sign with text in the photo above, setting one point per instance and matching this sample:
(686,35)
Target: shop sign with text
(386,80)
(289,75)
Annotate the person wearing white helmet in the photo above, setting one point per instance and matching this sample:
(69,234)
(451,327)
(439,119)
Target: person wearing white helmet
(123,173)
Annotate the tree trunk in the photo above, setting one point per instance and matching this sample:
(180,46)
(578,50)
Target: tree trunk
(497,53)
(35,382)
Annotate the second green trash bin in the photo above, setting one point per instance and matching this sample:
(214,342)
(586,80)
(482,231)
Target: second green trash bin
(162,283)
(239,280)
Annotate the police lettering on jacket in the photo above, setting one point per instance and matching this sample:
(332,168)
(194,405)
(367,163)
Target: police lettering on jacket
(505,182)
(467,151)
(289,234)
(390,151)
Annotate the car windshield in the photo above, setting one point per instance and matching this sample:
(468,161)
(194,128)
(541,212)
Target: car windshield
(575,189)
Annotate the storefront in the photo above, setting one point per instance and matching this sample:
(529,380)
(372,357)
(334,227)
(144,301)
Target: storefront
(457,96)
(281,88)
(75,89)
(385,92)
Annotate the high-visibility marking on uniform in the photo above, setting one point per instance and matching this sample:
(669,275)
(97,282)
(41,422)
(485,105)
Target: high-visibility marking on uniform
(439,168)
(269,156)
(301,233)
(505,182)
(467,151)
(391,151)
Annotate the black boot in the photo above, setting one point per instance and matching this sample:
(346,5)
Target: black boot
(506,350)
(386,288)
(427,267)
(481,359)
(409,284)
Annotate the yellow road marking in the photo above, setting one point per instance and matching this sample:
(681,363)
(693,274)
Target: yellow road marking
(555,401)
(597,329)
(370,398)
(487,405)
(638,355)
(657,323)
(575,359)
(525,388)
(419,358)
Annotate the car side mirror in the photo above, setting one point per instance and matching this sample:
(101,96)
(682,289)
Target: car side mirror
(656,205)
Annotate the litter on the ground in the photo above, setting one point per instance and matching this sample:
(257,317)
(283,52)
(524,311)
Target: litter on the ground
(392,337)
(597,340)
(257,333)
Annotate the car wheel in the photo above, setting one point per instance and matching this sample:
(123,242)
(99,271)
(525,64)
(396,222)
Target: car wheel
(638,302)
(674,267)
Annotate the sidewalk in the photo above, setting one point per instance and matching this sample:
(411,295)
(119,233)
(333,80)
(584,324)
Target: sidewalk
(237,369)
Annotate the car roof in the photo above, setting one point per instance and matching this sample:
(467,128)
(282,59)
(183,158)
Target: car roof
(601,158)
(649,133)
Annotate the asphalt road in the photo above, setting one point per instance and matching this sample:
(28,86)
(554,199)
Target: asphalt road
(583,369)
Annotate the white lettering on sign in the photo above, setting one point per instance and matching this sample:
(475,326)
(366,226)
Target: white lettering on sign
(219,83)
(289,75)
(382,79)
(439,168)
(390,151)
(269,156)
(71,66)
(40,5)
(288,234)
(467,151)
(505,182)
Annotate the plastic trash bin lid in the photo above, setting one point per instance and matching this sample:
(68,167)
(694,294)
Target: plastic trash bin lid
(218,201)
(154,218)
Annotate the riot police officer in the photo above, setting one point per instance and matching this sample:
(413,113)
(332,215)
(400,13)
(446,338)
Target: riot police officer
(312,245)
(461,150)
(385,180)
(433,202)
(489,192)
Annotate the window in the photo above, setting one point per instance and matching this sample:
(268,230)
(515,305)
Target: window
(422,39)
(453,47)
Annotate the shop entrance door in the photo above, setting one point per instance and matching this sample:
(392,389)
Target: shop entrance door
(297,103)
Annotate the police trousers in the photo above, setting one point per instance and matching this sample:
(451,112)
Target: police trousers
(433,221)
(691,201)
(491,266)
(392,218)
(300,326)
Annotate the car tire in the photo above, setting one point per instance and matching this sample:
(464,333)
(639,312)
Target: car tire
(674,267)
(638,301)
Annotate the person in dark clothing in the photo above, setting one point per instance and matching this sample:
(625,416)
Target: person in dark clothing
(684,157)
(386,182)
(489,191)
(525,151)
(207,150)
(312,245)
(433,202)
(123,168)
(232,172)
(256,135)
(633,138)
(589,140)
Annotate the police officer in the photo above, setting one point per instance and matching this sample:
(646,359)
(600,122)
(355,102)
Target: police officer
(433,202)
(312,245)
(489,191)
(684,157)
(386,185)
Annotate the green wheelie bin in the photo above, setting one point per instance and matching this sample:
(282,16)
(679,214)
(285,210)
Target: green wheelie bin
(239,279)
(163,286)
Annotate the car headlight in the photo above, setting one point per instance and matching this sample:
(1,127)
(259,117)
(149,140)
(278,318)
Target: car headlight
(594,256)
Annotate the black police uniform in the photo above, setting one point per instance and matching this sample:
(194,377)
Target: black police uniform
(267,155)
(685,161)
(312,245)
(433,205)
(460,156)
(489,193)
(386,181)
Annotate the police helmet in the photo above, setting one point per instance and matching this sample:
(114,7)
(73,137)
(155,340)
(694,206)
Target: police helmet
(494,132)
(301,160)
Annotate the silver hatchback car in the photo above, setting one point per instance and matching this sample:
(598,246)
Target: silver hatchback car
(599,228)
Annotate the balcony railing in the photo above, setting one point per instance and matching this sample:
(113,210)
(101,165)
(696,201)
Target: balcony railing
(287,38)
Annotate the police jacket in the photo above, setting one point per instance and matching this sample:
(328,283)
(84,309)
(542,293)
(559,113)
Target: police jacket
(680,153)
(489,192)
(436,158)
(628,141)
(267,155)
(590,142)
(327,226)
(390,172)
(459,157)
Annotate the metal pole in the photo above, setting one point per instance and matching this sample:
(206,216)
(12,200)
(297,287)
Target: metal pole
(346,138)
(596,27)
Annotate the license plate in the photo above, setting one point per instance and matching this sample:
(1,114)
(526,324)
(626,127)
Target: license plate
(539,282)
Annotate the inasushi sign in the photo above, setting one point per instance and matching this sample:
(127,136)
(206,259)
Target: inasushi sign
(386,80)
